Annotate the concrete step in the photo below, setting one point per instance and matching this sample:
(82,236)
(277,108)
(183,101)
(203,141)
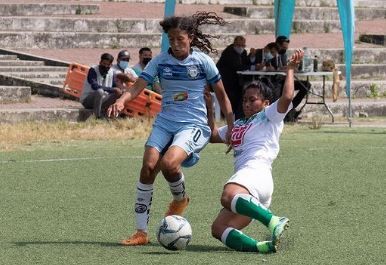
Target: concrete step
(43,115)
(13,94)
(360,56)
(306,13)
(33,69)
(36,87)
(365,71)
(62,40)
(32,75)
(373,38)
(359,88)
(44,9)
(372,107)
(13,25)
(316,3)
(20,63)
(7,57)
(214,2)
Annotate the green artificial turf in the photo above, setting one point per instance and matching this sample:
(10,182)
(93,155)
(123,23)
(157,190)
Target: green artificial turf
(71,202)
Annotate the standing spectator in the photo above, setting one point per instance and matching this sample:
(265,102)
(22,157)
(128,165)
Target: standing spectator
(99,89)
(181,129)
(145,56)
(234,58)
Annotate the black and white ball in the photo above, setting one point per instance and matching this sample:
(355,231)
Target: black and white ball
(174,232)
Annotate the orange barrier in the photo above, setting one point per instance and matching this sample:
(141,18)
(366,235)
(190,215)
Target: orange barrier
(147,103)
(76,75)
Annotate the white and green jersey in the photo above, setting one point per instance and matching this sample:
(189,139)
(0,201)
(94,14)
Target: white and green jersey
(256,139)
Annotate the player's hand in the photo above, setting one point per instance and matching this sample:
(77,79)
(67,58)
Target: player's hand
(296,58)
(115,109)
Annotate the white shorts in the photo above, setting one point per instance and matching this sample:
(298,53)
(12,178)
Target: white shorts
(257,179)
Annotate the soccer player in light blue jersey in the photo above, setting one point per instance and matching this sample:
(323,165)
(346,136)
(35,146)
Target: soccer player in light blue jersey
(181,129)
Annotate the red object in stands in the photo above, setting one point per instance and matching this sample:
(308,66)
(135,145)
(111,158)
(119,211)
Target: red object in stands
(147,103)
(76,75)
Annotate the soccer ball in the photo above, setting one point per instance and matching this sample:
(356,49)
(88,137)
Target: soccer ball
(174,232)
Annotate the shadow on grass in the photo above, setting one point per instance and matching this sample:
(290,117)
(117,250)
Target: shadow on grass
(206,248)
(102,244)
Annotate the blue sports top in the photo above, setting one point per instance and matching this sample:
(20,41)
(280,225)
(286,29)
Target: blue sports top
(183,83)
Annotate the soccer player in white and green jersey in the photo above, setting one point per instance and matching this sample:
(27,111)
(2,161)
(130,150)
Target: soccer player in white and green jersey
(255,141)
(181,129)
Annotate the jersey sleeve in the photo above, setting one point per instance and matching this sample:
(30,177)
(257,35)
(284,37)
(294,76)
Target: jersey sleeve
(272,113)
(212,73)
(222,131)
(151,70)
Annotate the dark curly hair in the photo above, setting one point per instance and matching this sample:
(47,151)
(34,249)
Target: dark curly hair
(264,90)
(191,25)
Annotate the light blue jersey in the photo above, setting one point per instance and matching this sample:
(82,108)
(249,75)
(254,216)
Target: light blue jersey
(183,83)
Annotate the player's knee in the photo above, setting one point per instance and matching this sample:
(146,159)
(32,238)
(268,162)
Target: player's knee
(169,167)
(148,170)
(226,199)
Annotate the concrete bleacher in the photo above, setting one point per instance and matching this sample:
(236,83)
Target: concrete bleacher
(78,24)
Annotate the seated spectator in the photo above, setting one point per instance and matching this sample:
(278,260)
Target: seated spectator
(99,89)
(122,65)
(145,55)
(234,58)
(260,59)
(279,62)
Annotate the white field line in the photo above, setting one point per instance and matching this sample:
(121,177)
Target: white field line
(67,159)
(74,159)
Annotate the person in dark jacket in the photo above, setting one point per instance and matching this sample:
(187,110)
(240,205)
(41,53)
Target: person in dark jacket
(234,58)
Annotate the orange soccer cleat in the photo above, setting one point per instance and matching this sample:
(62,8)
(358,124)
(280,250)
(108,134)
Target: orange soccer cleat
(136,239)
(177,207)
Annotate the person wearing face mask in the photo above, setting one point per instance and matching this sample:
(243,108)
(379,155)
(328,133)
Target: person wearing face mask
(100,89)
(145,55)
(123,67)
(279,62)
(234,58)
(260,58)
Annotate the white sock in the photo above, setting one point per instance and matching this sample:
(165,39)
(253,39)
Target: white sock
(178,188)
(143,205)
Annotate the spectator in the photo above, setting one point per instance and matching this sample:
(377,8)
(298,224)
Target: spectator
(279,62)
(99,89)
(261,58)
(145,56)
(234,58)
(122,66)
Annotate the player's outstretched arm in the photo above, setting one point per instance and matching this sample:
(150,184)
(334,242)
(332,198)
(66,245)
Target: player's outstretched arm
(288,89)
(130,94)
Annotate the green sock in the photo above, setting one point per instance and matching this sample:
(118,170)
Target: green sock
(237,240)
(247,205)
